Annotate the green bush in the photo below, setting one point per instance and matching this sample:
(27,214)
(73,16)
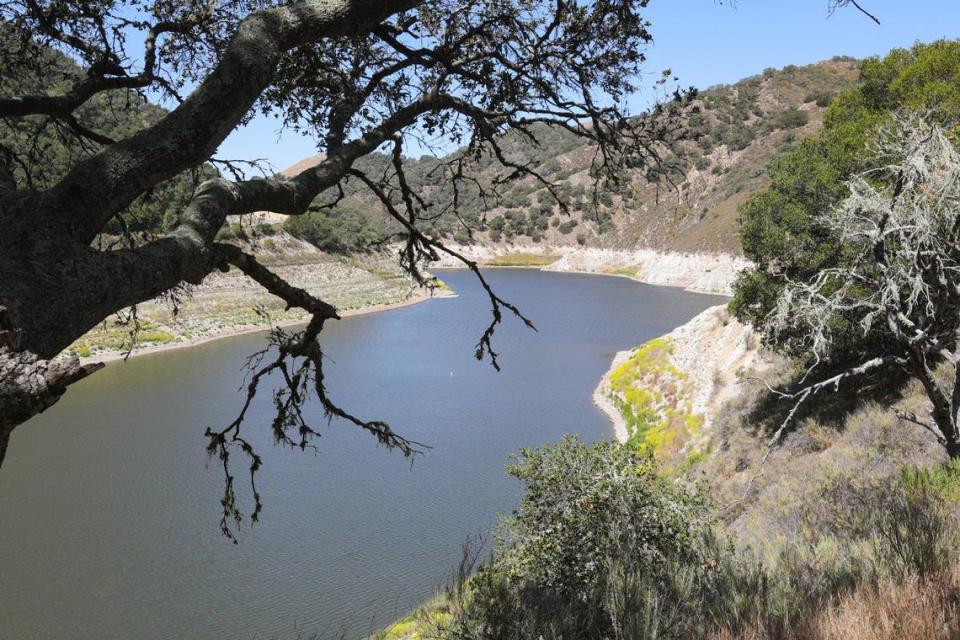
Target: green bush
(738,137)
(789,119)
(265,229)
(602,548)
(593,521)
(822,99)
(237,231)
(580,502)
(337,230)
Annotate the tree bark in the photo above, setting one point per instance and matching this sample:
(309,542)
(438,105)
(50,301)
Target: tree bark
(30,385)
(54,286)
(189,134)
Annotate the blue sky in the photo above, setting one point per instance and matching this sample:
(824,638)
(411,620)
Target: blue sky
(706,43)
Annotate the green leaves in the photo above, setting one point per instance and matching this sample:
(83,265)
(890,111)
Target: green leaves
(339,229)
(779,226)
(582,502)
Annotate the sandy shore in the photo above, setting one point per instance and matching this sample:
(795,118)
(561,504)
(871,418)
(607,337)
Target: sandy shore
(601,398)
(243,330)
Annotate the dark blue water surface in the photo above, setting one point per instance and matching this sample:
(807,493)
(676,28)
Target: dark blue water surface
(109,507)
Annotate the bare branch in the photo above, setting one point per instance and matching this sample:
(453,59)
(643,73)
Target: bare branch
(297,358)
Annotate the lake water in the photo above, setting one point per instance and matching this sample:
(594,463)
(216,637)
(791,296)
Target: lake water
(109,508)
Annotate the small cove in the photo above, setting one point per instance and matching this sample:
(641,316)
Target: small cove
(110,507)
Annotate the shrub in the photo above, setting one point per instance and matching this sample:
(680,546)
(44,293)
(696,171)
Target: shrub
(914,528)
(789,119)
(602,547)
(339,229)
(237,230)
(739,137)
(582,501)
(265,229)
(596,531)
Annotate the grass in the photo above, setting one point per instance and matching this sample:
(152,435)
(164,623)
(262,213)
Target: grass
(440,285)
(629,272)
(429,621)
(523,260)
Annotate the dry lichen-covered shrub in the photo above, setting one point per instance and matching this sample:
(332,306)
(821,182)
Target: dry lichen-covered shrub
(902,282)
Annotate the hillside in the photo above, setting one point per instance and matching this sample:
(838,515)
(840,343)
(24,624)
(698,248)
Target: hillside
(735,132)
(230,303)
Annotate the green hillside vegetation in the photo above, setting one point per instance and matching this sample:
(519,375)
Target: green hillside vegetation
(603,545)
(779,228)
(341,229)
(734,133)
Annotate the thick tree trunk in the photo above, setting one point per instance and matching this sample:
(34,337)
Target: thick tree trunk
(54,286)
(52,291)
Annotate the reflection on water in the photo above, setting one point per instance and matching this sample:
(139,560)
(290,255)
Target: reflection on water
(109,508)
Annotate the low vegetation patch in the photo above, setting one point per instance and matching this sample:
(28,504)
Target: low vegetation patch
(523,260)
(629,272)
(603,547)
(651,395)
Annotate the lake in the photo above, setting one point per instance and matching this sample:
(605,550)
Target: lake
(109,507)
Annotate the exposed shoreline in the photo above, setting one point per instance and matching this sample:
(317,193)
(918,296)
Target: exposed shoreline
(602,401)
(244,330)
(712,351)
(711,273)
(698,273)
